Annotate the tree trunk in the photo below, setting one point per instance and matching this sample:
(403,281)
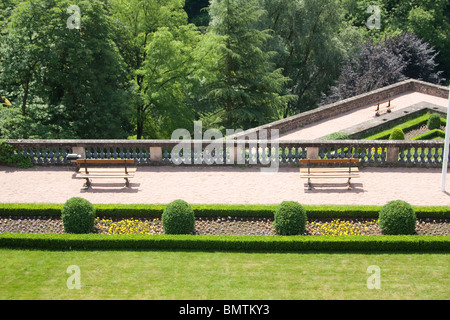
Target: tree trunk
(26,89)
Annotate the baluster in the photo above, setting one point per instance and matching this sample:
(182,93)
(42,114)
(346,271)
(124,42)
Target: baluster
(415,156)
(321,153)
(383,154)
(409,156)
(402,156)
(296,155)
(289,155)
(436,155)
(429,155)
(166,155)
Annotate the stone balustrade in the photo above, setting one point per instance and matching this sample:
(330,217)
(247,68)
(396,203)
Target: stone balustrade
(236,152)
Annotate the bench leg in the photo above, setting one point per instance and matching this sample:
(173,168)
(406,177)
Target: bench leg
(127,182)
(309,184)
(87,184)
(349,186)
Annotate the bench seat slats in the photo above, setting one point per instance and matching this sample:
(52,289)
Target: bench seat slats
(329,176)
(326,161)
(337,170)
(106,170)
(112,161)
(84,176)
(349,172)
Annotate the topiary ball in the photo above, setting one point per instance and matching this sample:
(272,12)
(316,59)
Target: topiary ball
(397,134)
(178,218)
(78,216)
(397,218)
(434,121)
(290,218)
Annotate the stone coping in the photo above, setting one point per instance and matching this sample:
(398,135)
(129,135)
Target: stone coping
(387,120)
(333,109)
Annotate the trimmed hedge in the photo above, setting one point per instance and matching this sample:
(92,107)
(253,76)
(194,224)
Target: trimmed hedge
(397,134)
(78,215)
(290,218)
(226,243)
(435,133)
(215,210)
(178,218)
(434,121)
(397,217)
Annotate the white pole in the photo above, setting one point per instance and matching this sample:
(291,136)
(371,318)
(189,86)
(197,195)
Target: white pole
(445,153)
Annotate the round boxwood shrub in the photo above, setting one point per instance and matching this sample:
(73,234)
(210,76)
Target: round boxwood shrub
(434,122)
(178,218)
(397,218)
(397,134)
(290,218)
(78,216)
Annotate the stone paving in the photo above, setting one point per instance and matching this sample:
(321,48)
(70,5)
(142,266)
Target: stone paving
(226,185)
(365,113)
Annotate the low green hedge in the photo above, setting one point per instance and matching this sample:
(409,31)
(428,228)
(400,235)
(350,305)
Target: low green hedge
(226,243)
(435,133)
(217,210)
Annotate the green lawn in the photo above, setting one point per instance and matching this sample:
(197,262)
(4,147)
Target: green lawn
(221,275)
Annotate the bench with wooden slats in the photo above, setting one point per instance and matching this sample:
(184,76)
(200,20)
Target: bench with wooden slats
(387,108)
(347,172)
(88,172)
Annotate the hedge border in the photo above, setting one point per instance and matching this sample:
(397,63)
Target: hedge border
(227,243)
(216,210)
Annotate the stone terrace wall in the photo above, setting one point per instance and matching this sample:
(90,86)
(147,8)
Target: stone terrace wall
(330,110)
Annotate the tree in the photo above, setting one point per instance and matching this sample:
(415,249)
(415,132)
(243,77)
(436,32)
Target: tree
(310,52)
(419,56)
(248,88)
(387,62)
(69,81)
(23,50)
(172,75)
(429,20)
(138,20)
(196,11)
(373,67)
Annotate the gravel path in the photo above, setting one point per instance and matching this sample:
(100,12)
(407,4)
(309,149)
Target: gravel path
(225,185)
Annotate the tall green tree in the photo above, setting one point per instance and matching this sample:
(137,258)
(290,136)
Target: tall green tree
(429,20)
(306,36)
(172,77)
(68,81)
(248,90)
(138,20)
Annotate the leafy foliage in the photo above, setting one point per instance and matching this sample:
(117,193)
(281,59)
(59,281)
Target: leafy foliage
(178,218)
(248,87)
(434,121)
(143,68)
(10,157)
(78,215)
(397,134)
(397,218)
(290,218)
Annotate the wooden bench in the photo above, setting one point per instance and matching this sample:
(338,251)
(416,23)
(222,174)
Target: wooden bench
(88,172)
(386,108)
(347,172)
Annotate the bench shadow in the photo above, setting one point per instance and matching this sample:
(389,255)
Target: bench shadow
(109,187)
(334,188)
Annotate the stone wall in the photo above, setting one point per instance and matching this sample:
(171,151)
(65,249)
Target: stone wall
(330,110)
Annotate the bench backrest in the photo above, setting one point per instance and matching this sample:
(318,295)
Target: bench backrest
(116,161)
(345,160)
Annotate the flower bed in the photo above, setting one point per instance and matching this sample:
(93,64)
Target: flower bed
(219,226)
